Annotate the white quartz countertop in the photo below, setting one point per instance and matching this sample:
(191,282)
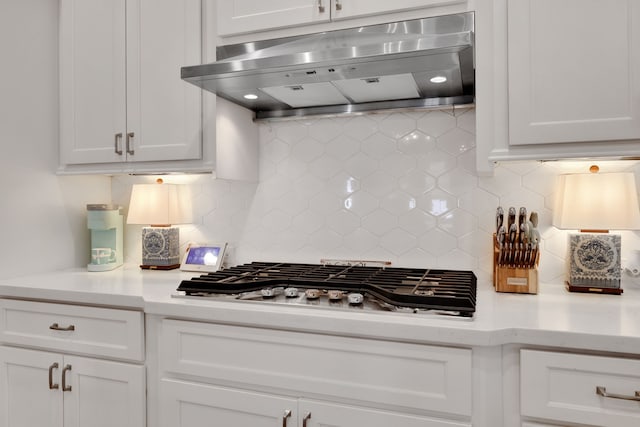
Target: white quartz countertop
(553,317)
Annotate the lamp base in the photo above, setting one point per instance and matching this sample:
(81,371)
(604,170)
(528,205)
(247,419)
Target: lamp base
(593,262)
(159,267)
(593,289)
(161,246)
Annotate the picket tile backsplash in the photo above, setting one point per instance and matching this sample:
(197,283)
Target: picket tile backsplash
(400,187)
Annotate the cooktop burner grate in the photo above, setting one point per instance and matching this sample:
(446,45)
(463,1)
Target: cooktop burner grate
(421,289)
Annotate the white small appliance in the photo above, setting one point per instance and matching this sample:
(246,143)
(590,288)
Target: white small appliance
(106,225)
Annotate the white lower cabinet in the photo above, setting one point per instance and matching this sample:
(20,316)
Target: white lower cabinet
(191,405)
(580,389)
(53,367)
(316,414)
(248,376)
(39,388)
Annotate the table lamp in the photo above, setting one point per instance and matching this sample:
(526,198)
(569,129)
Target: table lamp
(159,206)
(595,203)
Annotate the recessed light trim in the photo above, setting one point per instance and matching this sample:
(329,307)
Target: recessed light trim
(438,79)
(251,96)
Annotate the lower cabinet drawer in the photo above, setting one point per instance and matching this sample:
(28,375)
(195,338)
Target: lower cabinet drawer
(385,373)
(73,329)
(593,390)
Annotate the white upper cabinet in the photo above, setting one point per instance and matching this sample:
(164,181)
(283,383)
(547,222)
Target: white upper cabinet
(574,70)
(122,98)
(244,16)
(556,79)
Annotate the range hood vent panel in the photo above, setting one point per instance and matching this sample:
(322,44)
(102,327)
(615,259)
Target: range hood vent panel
(306,95)
(340,70)
(382,88)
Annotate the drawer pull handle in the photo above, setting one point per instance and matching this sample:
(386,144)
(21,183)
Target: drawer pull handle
(65,387)
(602,391)
(305,419)
(286,415)
(52,386)
(57,327)
(338,5)
(320,6)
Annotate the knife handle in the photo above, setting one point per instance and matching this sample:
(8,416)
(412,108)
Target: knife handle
(522,216)
(511,219)
(534,219)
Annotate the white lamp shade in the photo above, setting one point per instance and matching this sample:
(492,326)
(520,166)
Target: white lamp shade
(597,201)
(159,204)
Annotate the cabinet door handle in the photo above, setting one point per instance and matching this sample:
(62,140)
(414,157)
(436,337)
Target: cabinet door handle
(602,391)
(52,386)
(338,5)
(320,6)
(118,139)
(57,327)
(305,419)
(65,387)
(286,415)
(130,150)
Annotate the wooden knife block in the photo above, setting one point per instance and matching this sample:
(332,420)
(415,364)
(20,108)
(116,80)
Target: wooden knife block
(513,279)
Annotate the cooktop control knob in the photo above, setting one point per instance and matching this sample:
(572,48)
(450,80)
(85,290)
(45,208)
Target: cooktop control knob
(335,295)
(355,298)
(290,292)
(312,293)
(267,292)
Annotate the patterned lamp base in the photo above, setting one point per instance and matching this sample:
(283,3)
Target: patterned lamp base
(593,263)
(160,248)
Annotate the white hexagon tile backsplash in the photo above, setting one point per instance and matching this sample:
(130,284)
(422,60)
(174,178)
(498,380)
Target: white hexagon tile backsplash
(400,187)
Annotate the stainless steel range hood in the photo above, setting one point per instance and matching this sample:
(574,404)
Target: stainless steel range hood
(387,66)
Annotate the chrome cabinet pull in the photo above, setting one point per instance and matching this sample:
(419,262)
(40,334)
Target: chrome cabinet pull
(338,5)
(286,415)
(57,327)
(320,6)
(305,419)
(130,136)
(118,138)
(64,378)
(52,386)
(602,391)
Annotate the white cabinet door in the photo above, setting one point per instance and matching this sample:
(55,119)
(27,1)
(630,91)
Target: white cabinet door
(188,404)
(318,414)
(103,393)
(40,388)
(25,397)
(574,70)
(92,81)
(164,118)
(122,98)
(341,9)
(244,16)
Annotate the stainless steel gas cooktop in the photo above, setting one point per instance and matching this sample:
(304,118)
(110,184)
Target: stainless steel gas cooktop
(341,286)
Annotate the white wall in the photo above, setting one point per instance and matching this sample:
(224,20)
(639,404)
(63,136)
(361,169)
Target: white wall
(42,215)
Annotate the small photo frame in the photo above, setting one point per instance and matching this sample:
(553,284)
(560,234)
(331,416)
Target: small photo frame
(206,257)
